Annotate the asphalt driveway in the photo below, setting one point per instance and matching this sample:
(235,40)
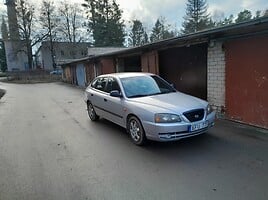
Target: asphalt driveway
(49,149)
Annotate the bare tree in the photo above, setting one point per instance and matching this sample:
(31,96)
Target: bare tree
(71,22)
(49,20)
(25,12)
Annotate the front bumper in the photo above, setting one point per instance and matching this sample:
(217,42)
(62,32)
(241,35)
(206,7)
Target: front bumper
(176,131)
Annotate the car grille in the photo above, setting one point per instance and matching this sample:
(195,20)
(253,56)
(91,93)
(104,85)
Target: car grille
(194,115)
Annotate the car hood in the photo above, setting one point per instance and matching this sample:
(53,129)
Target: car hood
(175,102)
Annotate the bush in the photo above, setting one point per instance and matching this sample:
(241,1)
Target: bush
(2,74)
(2,93)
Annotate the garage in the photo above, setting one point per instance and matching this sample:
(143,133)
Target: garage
(186,67)
(247,80)
(129,64)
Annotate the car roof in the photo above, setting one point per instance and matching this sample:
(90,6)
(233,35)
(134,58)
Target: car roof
(127,74)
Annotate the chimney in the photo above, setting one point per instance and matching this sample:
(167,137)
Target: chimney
(12,20)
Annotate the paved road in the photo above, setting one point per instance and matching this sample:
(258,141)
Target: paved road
(50,150)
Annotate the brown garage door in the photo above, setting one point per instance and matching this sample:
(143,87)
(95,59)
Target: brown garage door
(186,67)
(247,80)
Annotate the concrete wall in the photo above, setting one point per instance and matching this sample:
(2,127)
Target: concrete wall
(16,57)
(45,58)
(216,76)
(63,52)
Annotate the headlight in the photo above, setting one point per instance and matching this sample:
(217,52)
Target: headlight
(209,109)
(166,118)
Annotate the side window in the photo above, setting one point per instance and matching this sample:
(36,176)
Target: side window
(99,84)
(112,85)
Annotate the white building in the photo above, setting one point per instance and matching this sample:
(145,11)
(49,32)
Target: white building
(63,52)
(16,56)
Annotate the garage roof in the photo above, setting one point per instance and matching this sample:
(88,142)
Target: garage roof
(244,29)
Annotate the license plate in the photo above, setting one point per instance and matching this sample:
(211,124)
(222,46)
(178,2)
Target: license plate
(198,126)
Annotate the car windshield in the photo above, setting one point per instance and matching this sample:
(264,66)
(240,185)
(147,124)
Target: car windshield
(140,86)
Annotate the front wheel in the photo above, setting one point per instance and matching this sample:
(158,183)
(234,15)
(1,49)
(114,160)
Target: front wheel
(91,112)
(135,129)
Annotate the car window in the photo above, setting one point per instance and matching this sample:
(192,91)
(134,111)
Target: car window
(140,86)
(99,83)
(112,85)
(163,85)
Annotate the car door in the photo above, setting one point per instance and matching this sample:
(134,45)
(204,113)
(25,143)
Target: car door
(113,105)
(98,94)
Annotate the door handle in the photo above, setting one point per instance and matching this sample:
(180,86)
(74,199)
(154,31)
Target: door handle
(91,95)
(105,100)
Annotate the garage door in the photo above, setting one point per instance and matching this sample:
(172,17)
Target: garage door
(186,67)
(80,74)
(247,80)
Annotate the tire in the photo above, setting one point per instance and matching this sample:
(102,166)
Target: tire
(91,112)
(136,131)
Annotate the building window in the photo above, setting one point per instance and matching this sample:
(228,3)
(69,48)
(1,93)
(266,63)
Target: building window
(72,53)
(83,52)
(62,53)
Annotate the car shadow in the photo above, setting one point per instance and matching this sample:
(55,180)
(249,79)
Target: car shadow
(203,141)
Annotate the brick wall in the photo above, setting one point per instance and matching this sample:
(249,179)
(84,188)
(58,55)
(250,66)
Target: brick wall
(216,77)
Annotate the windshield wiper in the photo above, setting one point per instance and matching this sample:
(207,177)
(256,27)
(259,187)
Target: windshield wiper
(138,95)
(164,92)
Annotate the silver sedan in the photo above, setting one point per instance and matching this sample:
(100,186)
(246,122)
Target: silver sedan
(148,107)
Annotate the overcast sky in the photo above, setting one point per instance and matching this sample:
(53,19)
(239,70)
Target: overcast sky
(173,10)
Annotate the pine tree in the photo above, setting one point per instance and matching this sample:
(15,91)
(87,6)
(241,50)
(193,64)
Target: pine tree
(138,35)
(161,31)
(105,22)
(115,26)
(243,16)
(258,14)
(226,21)
(157,31)
(196,18)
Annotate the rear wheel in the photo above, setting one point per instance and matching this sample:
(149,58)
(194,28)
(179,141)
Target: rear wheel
(91,112)
(135,129)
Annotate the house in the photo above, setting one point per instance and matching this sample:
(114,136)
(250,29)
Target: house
(226,66)
(16,57)
(63,52)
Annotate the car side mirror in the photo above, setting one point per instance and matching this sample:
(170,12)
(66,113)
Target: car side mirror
(173,85)
(115,93)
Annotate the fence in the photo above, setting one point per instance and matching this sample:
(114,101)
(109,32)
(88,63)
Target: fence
(33,75)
